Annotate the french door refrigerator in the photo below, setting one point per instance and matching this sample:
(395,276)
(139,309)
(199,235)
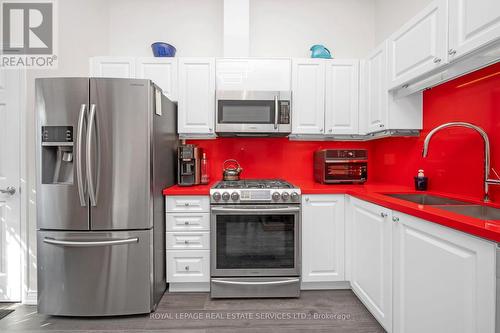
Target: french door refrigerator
(105,150)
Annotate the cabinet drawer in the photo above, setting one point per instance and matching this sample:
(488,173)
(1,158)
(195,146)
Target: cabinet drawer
(187,203)
(188,240)
(188,222)
(188,266)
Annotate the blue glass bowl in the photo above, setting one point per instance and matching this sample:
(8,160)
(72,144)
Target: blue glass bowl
(161,49)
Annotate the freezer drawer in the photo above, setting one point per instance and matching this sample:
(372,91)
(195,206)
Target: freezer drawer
(95,273)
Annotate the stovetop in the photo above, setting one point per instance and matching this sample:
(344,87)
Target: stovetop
(255,191)
(253,184)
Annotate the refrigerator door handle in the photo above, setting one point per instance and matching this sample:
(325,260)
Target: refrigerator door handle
(79,176)
(90,243)
(90,172)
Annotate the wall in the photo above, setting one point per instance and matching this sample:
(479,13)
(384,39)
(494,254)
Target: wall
(455,160)
(80,36)
(291,27)
(268,157)
(194,27)
(390,15)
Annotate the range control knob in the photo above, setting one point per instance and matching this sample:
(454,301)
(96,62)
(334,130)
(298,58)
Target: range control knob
(294,196)
(276,196)
(235,196)
(225,196)
(216,196)
(285,196)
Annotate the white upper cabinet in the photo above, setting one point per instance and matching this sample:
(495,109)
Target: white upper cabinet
(370,253)
(374,112)
(472,24)
(322,239)
(112,67)
(253,74)
(308,96)
(196,106)
(162,71)
(420,46)
(342,97)
(444,280)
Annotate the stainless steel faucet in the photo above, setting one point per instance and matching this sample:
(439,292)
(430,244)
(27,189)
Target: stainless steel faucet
(487,180)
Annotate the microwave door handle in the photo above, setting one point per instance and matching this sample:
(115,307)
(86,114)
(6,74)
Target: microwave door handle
(276,111)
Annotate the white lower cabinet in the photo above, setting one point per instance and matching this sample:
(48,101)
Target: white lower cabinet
(444,280)
(188,243)
(322,240)
(370,253)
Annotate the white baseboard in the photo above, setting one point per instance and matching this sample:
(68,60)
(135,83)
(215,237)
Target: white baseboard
(188,287)
(325,285)
(30,297)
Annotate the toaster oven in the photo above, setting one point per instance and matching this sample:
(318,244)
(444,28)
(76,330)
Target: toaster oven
(340,166)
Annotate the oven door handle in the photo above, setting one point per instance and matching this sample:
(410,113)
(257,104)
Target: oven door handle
(257,209)
(255,283)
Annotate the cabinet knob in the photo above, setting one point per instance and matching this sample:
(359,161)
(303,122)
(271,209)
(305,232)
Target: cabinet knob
(321,130)
(330,130)
(405,86)
(383,214)
(395,219)
(186,223)
(307,199)
(452,52)
(186,268)
(186,204)
(381,125)
(436,60)
(186,242)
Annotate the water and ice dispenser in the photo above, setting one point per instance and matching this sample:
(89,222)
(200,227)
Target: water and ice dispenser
(57,155)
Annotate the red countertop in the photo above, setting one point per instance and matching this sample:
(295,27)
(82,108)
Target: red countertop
(375,193)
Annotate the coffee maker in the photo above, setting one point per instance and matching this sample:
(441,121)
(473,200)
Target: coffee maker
(189,165)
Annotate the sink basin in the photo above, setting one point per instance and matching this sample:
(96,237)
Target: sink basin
(426,199)
(477,211)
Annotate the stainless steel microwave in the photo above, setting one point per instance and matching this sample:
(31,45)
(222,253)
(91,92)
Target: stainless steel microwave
(253,113)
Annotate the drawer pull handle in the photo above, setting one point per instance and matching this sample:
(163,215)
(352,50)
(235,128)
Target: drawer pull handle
(186,268)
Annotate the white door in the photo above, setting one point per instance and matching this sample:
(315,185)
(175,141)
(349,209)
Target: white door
(420,45)
(374,111)
(444,280)
(114,67)
(322,238)
(162,71)
(196,110)
(10,200)
(371,258)
(473,23)
(308,96)
(342,97)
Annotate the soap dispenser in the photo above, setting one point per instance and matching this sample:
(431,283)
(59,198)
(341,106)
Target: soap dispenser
(421,181)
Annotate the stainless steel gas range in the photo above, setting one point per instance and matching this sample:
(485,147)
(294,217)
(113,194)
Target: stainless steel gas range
(255,239)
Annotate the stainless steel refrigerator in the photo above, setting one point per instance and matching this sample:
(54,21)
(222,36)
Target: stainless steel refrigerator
(105,150)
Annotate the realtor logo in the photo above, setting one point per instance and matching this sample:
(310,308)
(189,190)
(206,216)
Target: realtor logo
(28,33)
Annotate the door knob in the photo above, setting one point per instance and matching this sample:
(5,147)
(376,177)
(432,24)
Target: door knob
(11,190)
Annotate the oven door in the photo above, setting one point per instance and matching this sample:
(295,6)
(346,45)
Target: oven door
(258,240)
(345,172)
(253,112)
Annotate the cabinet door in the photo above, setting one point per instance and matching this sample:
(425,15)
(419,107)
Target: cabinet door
(420,46)
(444,280)
(196,105)
(473,23)
(162,71)
(308,96)
(374,111)
(342,97)
(253,74)
(322,238)
(371,258)
(113,67)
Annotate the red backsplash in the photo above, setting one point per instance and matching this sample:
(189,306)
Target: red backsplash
(268,157)
(455,160)
(454,163)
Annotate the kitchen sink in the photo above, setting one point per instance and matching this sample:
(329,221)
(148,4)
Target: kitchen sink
(426,199)
(477,211)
